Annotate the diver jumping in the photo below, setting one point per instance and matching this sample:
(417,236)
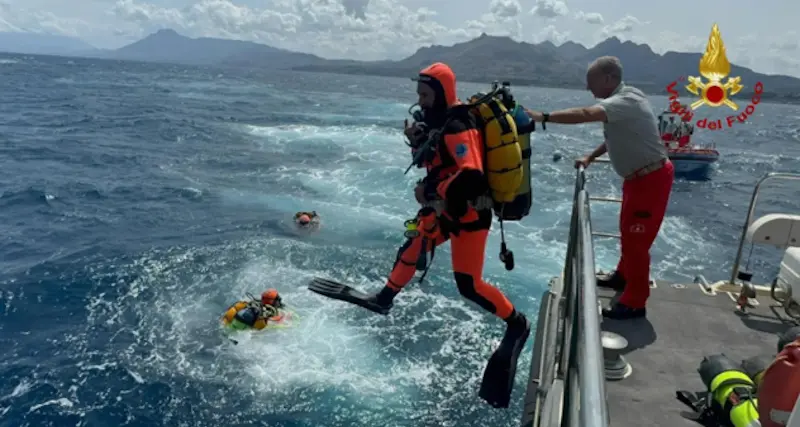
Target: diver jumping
(456,207)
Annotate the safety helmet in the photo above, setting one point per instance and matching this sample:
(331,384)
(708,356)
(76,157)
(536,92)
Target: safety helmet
(271,297)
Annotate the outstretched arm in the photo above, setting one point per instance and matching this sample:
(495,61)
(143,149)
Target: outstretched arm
(594,113)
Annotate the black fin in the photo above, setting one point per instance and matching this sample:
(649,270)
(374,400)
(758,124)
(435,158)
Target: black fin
(338,291)
(498,378)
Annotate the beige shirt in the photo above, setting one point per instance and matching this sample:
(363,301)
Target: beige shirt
(631,131)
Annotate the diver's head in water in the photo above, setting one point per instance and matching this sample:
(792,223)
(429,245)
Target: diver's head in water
(436,92)
(271,297)
(306,219)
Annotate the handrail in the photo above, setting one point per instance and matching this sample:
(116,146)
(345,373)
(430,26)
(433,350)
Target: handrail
(751,211)
(582,352)
(594,411)
(570,392)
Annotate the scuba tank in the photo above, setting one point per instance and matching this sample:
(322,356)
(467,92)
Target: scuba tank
(755,368)
(731,392)
(787,337)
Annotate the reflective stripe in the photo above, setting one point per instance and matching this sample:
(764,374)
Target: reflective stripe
(778,416)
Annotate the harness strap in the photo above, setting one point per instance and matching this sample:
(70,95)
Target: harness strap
(700,405)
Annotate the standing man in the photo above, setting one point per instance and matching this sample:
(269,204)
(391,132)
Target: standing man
(637,154)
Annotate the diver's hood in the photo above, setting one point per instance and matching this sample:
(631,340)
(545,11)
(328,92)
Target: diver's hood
(442,79)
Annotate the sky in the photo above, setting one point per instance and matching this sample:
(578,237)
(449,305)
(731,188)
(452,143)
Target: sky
(758,35)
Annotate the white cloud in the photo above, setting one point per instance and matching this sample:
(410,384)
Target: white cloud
(788,43)
(355,28)
(502,19)
(20,19)
(505,8)
(550,33)
(356,8)
(772,54)
(589,17)
(673,41)
(550,8)
(379,29)
(625,25)
(769,53)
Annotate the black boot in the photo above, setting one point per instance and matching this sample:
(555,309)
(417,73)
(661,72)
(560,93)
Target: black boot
(384,298)
(620,311)
(614,281)
(516,326)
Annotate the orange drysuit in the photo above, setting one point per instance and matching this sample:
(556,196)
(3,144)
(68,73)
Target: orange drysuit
(455,175)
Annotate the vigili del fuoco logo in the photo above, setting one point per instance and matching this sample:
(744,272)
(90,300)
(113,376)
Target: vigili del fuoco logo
(713,92)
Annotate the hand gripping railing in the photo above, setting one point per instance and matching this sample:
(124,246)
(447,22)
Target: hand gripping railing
(582,354)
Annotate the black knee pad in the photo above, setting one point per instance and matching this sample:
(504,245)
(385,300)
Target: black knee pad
(466,286)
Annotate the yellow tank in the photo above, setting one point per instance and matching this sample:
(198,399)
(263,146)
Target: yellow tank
(230,313)
(525,146)
(503,166)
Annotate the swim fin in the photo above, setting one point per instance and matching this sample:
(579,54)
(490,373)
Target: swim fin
(498,378)
(335,290)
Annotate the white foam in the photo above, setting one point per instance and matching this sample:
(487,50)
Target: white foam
(433,345)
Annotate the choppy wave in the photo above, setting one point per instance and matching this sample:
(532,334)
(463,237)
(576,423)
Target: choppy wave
(139,200)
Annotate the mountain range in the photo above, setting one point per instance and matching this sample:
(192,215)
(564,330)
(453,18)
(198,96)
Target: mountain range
(542,64)
(44,44)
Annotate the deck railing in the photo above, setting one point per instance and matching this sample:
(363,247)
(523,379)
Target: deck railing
(571,383)
(567,377)
(585,369)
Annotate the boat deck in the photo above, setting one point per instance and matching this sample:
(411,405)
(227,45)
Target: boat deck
(683,325)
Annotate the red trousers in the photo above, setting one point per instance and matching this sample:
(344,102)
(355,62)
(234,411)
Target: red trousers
(644,203)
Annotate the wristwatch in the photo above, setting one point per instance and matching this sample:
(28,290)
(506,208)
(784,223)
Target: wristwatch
(545,119)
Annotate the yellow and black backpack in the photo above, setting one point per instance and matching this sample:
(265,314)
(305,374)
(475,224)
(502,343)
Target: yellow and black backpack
(507,151)
(507,154)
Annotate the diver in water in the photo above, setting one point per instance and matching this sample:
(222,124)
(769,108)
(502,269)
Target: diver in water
(307,220)
(456,181)
(255,313)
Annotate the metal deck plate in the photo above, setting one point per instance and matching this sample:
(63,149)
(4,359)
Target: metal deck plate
(683,325)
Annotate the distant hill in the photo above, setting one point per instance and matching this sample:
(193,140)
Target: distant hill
(522,63)
(483,59)
(44,44)
(545,64)
(169,46)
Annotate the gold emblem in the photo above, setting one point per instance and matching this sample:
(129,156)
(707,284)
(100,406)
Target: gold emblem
(714,66)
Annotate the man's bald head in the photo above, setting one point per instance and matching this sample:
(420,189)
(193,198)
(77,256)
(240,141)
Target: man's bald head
(603,76)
